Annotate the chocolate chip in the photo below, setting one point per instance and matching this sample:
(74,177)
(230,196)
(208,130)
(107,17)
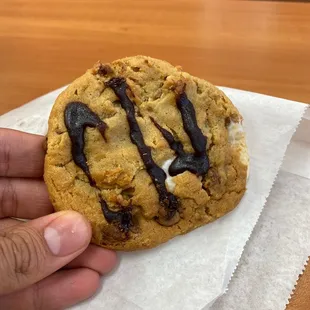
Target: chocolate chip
(135,69)
(162,220)
(179,87)
(214,176)
(104,69)
(123,217)
(227,121)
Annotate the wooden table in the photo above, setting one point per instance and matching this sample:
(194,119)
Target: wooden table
(261,46)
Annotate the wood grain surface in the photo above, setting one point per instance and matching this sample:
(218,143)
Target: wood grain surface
(259,46)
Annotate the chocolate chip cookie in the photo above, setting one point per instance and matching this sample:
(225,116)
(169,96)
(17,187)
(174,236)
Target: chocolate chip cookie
(145,151)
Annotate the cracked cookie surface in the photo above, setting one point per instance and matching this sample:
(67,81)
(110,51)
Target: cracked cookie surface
(145,151)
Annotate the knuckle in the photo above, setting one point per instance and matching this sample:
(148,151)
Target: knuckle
(22,252)
(5,152)
(8,198)
(37,300)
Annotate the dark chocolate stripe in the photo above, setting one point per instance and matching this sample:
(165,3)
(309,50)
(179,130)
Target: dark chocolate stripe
(78,116)
(175,145)
(158,176)
(198,162)
(123,217)
(198,140)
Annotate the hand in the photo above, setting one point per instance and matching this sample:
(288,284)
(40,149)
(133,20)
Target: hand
(46,263)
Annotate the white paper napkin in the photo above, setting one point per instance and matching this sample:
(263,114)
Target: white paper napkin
(280,244)
(192,271)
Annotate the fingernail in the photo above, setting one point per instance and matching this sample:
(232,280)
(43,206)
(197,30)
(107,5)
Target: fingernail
(67,234)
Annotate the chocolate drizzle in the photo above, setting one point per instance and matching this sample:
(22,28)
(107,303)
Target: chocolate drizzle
(123,217)
(78,116)
(158,176)
(198,162)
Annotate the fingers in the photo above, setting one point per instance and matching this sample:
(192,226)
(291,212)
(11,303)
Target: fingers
(96,258)
(6,223)
(23,198)
(59,291)
(21,154)
(31,251)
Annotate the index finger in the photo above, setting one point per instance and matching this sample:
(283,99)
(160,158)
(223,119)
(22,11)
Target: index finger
(21,154)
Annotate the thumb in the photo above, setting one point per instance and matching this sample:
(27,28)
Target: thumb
(31,251)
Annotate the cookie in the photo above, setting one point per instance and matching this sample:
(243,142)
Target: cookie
(145,151)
